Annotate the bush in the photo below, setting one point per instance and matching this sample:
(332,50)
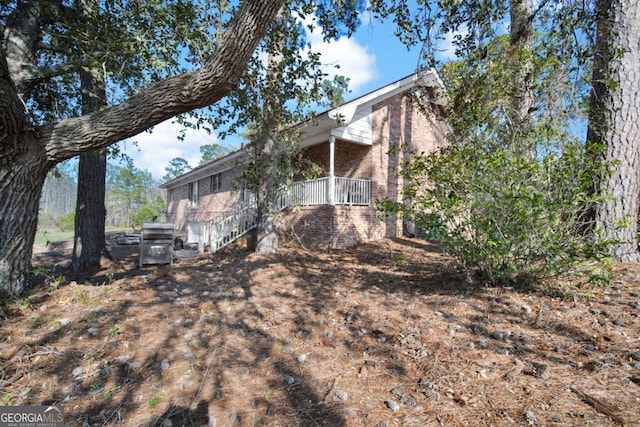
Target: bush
(145,214)
(66,223)
(507,218)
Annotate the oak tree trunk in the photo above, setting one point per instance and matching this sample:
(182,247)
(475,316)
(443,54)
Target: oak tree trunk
(23,169)
(267,234)
(614,124)
(22,176)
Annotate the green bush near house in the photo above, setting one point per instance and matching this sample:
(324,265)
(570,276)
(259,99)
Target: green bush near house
(506,218)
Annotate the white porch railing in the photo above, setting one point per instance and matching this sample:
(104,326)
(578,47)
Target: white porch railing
(222,229)
(306,193)
(347,191)
(350,191)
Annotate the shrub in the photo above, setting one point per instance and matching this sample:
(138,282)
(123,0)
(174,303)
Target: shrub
(66,223)
(506,217)
(145,214)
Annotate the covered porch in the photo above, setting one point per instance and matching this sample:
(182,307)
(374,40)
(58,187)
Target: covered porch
(345,161)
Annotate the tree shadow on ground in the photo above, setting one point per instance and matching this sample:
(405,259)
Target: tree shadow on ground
(222,337)
(164,343)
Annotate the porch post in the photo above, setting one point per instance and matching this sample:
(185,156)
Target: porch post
(332,177)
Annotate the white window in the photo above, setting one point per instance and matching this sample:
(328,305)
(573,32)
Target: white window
(194,197)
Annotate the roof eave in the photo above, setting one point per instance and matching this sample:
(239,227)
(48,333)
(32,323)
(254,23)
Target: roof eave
(199,172)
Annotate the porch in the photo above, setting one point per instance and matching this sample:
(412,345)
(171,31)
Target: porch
(227,226)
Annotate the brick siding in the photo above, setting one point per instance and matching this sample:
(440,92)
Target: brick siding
(329,227)
(210,204)
(351,160)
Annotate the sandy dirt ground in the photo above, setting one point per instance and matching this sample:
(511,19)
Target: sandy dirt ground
(384,334)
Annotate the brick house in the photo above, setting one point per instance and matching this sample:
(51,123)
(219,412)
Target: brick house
(358,145)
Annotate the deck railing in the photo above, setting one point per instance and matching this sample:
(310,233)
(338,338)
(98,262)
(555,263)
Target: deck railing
(346,191)
(350,191)
(307,193)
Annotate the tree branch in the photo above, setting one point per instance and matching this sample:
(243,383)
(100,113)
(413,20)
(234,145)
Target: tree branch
(52,48)
(170,97)
(44,73)
(601,406)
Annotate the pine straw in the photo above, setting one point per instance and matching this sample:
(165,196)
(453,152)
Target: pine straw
(323,339)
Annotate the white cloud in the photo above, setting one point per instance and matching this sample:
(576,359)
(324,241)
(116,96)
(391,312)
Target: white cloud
(155,149)
(356,61)
(445,51)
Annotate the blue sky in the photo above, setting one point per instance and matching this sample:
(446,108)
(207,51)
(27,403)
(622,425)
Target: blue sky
(372,58)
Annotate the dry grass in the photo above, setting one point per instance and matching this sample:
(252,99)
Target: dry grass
(323,339)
